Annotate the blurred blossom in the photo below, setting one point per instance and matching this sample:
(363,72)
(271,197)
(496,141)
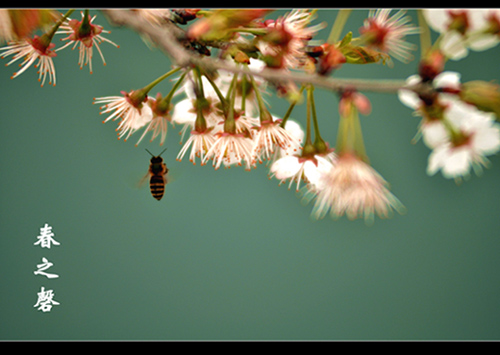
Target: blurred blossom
(433,110)
(464,29)
(352,187)
(16,24)
(387,33)
(6,30)
(478,135)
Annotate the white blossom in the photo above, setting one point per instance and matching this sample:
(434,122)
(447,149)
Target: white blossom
(456,42)
(479,136)
(296,168)
(131,117)
(432,129)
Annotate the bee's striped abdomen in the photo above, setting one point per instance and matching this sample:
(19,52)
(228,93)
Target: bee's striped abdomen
(157,170)
(157,186)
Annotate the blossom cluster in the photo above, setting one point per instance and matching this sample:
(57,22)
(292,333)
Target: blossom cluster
(40,50)
(224,116)
(464,29)
(459,134)
(459,120)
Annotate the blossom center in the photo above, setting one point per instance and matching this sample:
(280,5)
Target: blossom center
(459,21)
(41,46)
(462,139)
(375,33)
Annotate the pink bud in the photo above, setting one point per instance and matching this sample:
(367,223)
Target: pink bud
(350,99)
(362,103)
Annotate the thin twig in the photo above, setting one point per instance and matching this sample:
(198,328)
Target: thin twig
(173,41)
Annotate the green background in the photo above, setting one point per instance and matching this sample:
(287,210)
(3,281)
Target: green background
(229,254)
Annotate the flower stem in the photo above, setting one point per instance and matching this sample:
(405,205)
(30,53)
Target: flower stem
(165,102)
(244,83)
(253,31)
(49,35)
(425,34)
(199,82)
(290,109)
(229,122)
(85,27)
(319,143)
(164,76)
(200,124)
(359,143)
(265,116)
(221,97)
(308,149)
(350,137)
(338,25)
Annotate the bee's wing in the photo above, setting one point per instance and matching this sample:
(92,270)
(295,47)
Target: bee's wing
(166,175)
(143,180)
(173,174)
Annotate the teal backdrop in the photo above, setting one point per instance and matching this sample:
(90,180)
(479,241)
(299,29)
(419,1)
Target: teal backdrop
(230,254)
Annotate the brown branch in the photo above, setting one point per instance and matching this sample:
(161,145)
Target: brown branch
(173,42)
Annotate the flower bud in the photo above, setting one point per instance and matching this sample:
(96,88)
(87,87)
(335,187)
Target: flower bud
(353,99)
(484,95)
(431,65)
(241,57)
(332,58)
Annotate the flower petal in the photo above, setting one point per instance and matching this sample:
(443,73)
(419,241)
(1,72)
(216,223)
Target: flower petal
(286,167)
(407,97)
(457,163)
(447,79)
(487,140)
(434,133)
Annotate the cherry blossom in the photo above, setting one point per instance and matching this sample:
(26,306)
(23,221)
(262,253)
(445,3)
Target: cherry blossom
(478,135)
(33,49)
(133,114)
(352,187)
(464,29)
(269,137)
(387,33)
(431,127)
(230,148)
(284,45)
(86,36)
(296,168)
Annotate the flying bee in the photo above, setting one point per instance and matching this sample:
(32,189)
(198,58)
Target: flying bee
(157,172)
